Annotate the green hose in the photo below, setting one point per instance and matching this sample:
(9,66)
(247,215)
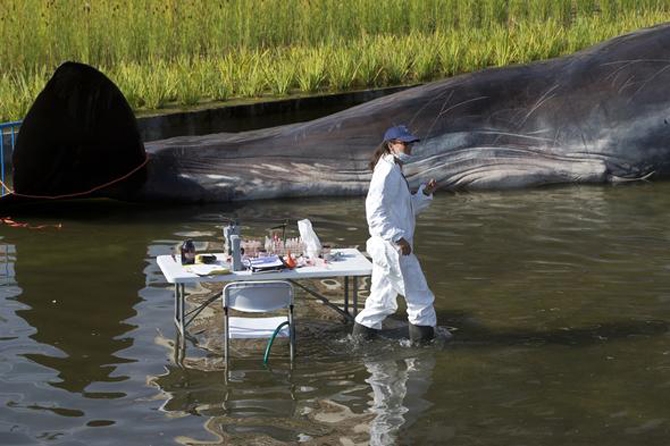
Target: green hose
(271,340)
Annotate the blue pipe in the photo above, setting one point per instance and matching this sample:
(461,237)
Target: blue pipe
(13,126)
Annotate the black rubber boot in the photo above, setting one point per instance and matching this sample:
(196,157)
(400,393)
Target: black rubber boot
(363,333)
(421,334)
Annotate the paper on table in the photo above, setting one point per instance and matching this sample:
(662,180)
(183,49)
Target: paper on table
(207,270)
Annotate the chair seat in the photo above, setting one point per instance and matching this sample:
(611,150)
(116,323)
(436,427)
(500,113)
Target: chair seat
(245,327)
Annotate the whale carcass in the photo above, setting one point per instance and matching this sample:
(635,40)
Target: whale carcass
(596,116)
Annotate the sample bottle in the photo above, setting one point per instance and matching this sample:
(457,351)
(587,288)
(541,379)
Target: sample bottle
(188,253)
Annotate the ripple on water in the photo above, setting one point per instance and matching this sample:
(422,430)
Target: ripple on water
(558,300)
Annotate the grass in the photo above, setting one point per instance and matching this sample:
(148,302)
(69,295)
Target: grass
(186,52)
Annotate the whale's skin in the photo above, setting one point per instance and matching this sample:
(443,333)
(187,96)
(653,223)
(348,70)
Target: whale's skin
(597,116)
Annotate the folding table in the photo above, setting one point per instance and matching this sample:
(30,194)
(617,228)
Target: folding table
(347,263)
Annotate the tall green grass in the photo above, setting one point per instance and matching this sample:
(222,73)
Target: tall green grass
(186,52)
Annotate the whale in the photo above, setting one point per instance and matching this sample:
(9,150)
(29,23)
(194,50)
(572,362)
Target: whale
(598,116)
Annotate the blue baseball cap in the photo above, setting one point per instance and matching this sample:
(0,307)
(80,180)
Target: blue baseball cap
(400,133)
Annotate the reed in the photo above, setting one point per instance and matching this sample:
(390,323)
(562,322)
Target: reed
(342,69)
(311,71)
(185,52)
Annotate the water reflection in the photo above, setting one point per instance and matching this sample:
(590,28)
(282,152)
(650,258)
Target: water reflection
(277,405)
(68,298)
(398,388)
(86,291)
(511,272)
(559,298)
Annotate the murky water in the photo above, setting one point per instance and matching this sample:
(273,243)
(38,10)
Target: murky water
(559,300)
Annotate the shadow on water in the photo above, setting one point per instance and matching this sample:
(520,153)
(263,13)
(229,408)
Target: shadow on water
(102,209)
(469,334)
(106,209)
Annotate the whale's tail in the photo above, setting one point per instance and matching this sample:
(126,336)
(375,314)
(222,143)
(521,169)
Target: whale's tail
(79,139)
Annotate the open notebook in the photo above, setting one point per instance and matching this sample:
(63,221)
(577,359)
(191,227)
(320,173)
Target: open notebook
(268,263)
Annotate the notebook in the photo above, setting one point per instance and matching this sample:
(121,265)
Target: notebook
(268,263)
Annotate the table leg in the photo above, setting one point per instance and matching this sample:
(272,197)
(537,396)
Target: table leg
(346,294)
(355,296)
(179,297)
(180,344)
(176,305)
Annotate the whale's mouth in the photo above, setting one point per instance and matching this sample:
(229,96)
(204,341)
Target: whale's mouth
(488,167)
(79,139)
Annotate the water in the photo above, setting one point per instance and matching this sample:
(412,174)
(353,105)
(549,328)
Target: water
(559,301)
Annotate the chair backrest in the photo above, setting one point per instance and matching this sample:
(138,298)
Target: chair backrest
(258,296)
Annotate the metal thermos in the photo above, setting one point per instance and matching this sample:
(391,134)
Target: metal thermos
(232,229)
(237,252)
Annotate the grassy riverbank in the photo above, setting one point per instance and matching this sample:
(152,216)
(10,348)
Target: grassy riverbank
(187,52)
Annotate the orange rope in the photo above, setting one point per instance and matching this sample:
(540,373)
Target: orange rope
(15,224)
(78,194)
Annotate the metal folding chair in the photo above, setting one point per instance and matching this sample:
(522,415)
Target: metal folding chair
(258,297)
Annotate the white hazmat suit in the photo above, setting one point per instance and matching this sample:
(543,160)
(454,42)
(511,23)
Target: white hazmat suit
(391,209)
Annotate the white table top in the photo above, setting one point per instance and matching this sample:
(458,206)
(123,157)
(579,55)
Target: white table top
(350,262)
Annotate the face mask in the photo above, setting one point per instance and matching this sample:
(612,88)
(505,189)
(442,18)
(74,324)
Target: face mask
(403,157)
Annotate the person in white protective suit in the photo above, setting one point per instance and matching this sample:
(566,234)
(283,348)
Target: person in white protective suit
(391,208)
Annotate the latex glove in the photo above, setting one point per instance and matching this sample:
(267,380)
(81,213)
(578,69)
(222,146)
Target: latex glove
(405,248)
(430,187)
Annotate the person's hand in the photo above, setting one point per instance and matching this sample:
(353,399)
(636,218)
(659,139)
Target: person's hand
(405,248)
(430,187)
